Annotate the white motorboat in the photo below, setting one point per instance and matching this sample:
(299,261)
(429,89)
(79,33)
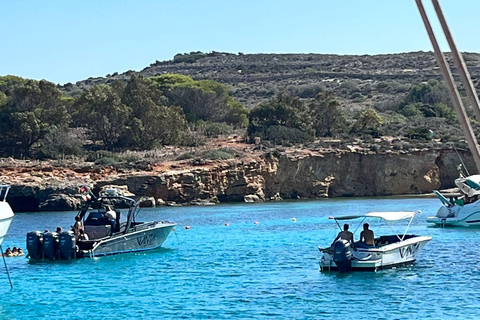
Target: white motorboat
(462,210)
(388,250)
(104,235)
(6,213)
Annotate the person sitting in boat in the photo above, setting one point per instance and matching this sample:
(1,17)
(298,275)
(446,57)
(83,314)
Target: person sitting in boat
(59,229)
(15,251)
(20,252)
(111,216)
(78,226)
(345,235)
(367,237)
(82,235)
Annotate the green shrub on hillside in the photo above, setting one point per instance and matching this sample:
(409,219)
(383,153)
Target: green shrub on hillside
(419,133)
(219,154)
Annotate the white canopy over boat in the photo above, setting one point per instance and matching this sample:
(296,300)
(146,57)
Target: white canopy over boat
(387,251)
(385,215)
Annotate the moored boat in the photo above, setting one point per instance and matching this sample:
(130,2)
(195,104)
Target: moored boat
(463,209)
(99,231)
(387,251)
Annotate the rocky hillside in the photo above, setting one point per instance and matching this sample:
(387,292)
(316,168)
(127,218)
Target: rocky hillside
(325,168)
(253,78)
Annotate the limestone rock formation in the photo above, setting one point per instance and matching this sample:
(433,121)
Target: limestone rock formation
(275,175)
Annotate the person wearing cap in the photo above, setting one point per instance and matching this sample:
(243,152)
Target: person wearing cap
(367,238)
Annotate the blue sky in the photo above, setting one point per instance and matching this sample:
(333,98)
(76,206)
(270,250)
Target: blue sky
(67,41)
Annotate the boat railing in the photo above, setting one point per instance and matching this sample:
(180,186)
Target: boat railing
(4,188)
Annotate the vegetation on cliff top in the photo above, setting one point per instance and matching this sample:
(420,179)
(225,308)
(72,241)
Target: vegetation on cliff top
(299,98)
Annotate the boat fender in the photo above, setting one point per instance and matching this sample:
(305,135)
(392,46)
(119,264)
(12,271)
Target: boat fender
(50,245)
(342,255)
(35,245)
(67,245)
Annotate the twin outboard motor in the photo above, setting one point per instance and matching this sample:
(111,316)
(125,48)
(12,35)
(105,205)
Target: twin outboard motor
(67,245)
(50,245)
(342,255)
(35,245)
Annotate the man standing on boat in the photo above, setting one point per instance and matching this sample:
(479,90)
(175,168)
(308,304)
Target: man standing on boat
(367,237)
(345,235)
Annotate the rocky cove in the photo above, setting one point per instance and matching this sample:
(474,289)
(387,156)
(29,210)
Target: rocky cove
(258,175)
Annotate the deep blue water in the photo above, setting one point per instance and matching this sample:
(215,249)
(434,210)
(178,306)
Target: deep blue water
(245,270)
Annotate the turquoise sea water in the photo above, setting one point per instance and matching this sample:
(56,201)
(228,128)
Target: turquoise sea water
(246,270)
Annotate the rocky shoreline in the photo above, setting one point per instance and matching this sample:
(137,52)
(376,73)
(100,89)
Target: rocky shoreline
(290,173)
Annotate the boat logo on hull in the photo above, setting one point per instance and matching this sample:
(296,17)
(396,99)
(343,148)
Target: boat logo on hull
(146,240)
(409,251)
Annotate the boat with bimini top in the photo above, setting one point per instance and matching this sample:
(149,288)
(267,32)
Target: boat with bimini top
(99,231)
(387,251)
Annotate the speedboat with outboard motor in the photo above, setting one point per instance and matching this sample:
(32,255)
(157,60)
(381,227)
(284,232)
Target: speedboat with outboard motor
(388,250)
(101,234)
(460,210)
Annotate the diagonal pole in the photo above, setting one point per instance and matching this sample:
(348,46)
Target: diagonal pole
(5,263)
(459,62)
(454,94)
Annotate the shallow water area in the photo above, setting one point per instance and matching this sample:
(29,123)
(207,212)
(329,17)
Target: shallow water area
(248,270)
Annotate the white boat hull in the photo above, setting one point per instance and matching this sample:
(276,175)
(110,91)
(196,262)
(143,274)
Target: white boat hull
(141,240)
(457,216)
(386,256)
(6,217)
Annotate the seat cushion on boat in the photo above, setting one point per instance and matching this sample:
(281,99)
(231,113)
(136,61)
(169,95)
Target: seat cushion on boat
(97,232)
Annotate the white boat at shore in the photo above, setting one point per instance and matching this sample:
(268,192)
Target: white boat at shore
(463,209)
(6,213)
(388,251)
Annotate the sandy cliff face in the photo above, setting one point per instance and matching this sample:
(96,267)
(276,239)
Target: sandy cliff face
(354,174)
(304,174)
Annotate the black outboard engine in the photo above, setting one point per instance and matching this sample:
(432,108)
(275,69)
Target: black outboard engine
(50,245)
(342,255)
(67,245)
(35,245)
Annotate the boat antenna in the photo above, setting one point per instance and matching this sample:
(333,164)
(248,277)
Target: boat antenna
(6,268)
(462,163)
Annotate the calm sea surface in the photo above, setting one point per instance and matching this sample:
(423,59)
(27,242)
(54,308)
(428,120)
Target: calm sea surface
(248,270)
